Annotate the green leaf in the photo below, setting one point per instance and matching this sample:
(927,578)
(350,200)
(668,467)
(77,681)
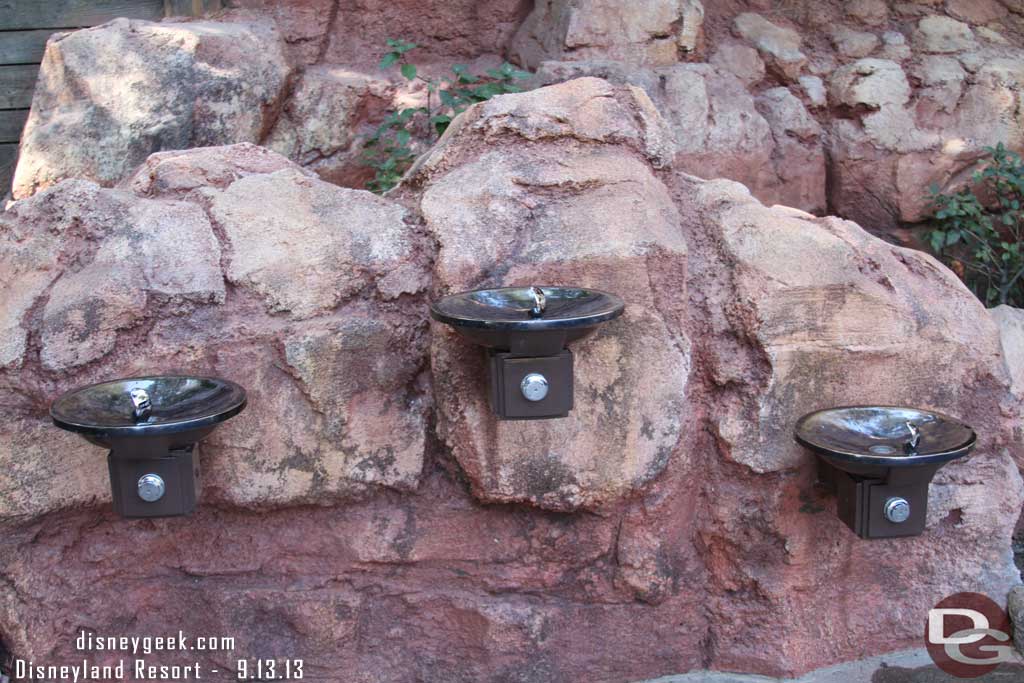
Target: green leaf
(409,71)
(402,138)
(462,75)
(447,99)
(389,59)
(486,91)
(952,237)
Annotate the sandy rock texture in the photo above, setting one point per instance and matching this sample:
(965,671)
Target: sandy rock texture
(369,515)
(586,209)
(354,33)
(204,262)
(320,126)
(650,32)
(770,143)
(1011,334)
(110,96)
(845,108)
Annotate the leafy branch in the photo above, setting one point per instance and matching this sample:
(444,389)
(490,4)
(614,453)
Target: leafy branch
(390,149)
(979,229)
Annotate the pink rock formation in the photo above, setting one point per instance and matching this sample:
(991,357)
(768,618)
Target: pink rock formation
(193,266)
(110,96)
(683,530)
(914,93)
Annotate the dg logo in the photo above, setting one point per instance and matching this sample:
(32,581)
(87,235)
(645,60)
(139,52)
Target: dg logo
(968,635)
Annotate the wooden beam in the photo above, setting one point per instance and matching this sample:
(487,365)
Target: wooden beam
(17,83)
(190,8)
(12,121)
(55,14)
(23,47)
(8,159)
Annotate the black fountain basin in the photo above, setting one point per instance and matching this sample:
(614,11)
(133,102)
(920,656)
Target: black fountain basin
(181,411)
(151,425)
(880,460)
(869,440)
(527,321)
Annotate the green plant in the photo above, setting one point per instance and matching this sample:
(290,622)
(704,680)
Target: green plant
(389,150)
(979,228)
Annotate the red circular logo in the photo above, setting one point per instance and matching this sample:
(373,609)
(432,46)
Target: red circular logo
(968,635)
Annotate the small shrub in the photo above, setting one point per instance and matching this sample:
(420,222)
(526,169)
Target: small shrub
(979,229)
(389,150)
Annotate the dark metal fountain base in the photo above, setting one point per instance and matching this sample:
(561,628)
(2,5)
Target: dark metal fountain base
(506,372)
(178,471)
(862,499)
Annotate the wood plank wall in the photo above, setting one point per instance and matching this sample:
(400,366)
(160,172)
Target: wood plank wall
(25,26)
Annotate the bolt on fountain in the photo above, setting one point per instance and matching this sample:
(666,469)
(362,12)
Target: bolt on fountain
(526,332)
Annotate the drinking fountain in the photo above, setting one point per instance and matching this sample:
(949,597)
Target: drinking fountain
(879,461)
(151,426)
(525,331)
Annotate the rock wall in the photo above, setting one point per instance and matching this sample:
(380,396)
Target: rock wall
(192,265)
(110,96)
(368,515)
(845,108)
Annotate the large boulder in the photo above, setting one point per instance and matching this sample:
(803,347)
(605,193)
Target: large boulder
(805,313)
(1011,337)
(382,521)
(779,45)
(159,275)
(892,141)
(581,210)
(108,97)
(770,143)
(650,32)
(870,323)
(318,126)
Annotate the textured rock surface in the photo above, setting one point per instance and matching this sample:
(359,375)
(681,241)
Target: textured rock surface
(110,96)
(779,45)
(354,33)
(591,215)
(771,144)
(318,127)
(650,32)
(711,538)
(190,267)
(1015,608)
(897,139)
(359,519)
(837,325)
(960,63)
(870,322)
(947,85)
(1011,334)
